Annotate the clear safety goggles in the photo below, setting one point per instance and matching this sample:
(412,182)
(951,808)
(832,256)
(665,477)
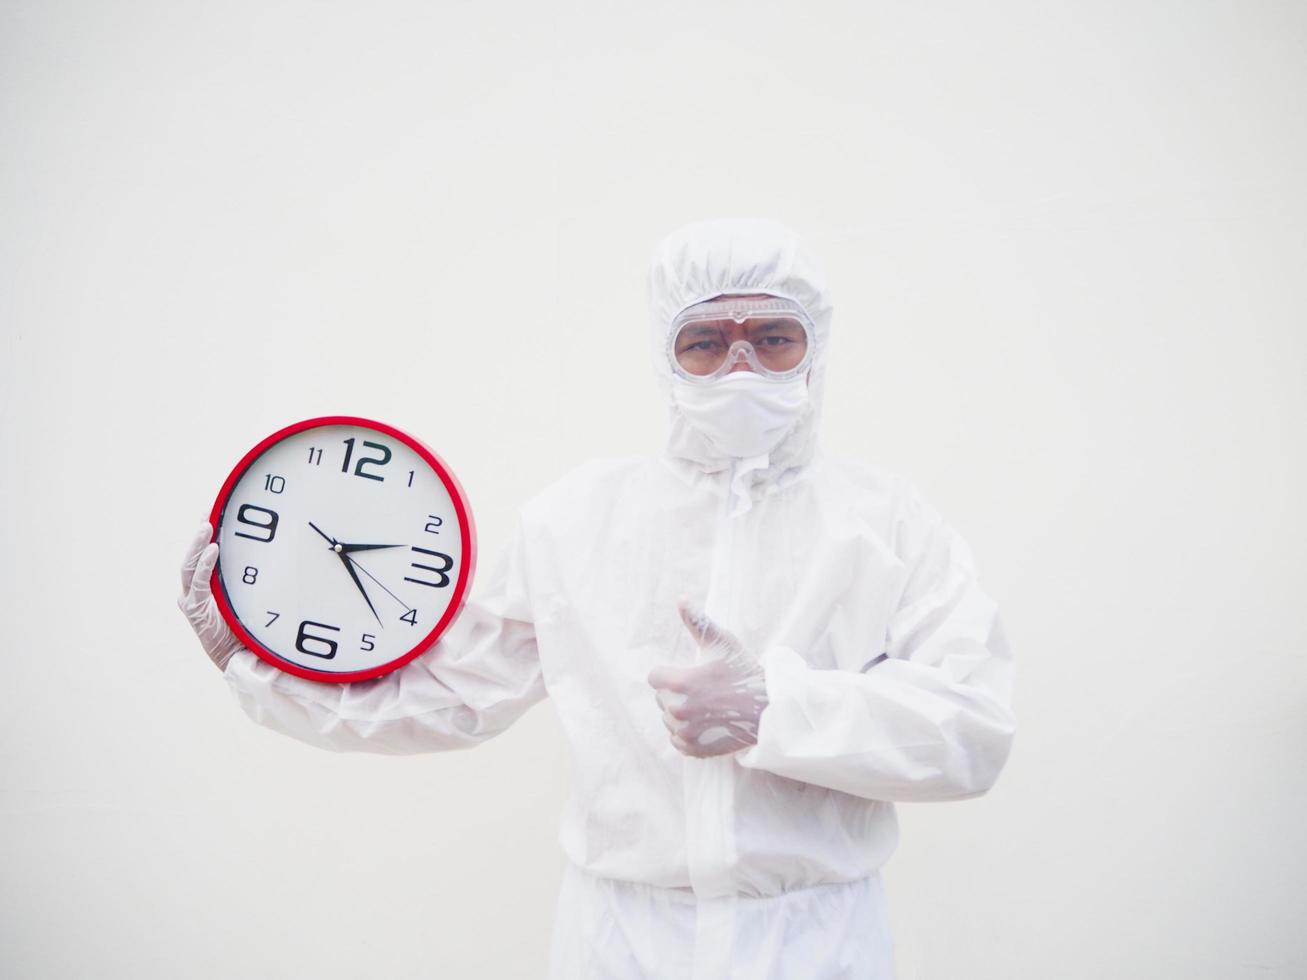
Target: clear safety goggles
(773,336)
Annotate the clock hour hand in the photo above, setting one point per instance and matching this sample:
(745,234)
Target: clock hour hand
(347,548)
(349,567)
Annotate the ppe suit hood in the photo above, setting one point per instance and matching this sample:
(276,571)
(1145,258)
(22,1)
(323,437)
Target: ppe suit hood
(713,258)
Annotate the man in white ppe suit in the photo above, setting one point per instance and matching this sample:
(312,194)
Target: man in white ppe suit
(753,650)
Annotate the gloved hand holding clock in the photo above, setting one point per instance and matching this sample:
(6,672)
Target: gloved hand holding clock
(196,601)
(323,607)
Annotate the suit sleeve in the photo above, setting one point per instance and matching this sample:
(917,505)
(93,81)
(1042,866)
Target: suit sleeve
(931,720)
(479,678)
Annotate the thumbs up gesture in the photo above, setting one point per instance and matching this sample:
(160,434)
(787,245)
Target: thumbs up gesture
(713,708)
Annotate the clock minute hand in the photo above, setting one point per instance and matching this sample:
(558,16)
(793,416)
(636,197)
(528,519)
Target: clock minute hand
(330,540)
(339,549)
(349,567)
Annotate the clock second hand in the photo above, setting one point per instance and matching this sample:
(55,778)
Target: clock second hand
(354,561)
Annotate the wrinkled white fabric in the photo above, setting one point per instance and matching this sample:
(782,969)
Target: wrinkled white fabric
(887,676)
(786,936)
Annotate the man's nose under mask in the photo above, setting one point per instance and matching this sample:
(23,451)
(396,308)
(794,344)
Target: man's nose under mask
(742,414)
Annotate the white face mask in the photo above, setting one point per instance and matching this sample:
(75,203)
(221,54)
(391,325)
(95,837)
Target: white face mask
(742,414)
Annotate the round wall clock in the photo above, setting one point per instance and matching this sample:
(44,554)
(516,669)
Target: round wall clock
(346,547)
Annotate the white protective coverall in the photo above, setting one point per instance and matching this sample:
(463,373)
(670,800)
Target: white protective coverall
(887,673)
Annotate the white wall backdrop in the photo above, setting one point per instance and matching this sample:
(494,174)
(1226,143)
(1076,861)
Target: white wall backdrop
(1068,244)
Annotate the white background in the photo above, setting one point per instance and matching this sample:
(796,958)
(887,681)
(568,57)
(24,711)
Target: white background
(1068,245)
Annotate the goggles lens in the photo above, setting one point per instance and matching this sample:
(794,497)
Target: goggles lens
(715,341)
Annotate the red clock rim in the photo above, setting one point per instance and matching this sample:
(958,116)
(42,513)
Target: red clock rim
(466,526)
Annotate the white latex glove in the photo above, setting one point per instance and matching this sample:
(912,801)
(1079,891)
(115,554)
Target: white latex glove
(197,602)
(715,707)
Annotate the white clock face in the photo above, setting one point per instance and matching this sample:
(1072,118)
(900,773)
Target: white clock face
(340,551)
